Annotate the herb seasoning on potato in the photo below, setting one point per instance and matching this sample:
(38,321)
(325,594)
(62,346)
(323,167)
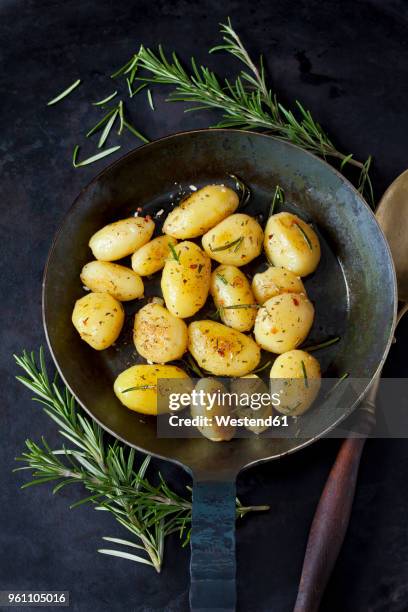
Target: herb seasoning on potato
(274,302)
(158,335)
(106,277)
(201,211)
(98,318)
(186,279)
(122,238)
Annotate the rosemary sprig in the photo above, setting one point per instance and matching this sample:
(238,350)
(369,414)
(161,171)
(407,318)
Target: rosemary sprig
(228,245)
(64,93)
(246,102)
(107,470)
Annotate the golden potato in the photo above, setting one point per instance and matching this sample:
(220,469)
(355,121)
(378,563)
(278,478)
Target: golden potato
(283,322)
(105,277)
(275,281)
(200,211)
(221,350)
(158,335)
(295,375)
(121,238)
(252,385)
(136,387)
(291,243)
(98,318)
(186,279)
(212,429)
(151,257)
(235,241)
(230,287)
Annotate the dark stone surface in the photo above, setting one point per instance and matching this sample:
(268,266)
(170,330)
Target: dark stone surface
(347,62)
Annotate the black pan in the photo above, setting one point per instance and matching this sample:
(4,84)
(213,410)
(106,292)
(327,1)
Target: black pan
(354,291)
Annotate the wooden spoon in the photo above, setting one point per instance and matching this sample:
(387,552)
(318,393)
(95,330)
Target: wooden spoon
(333,512)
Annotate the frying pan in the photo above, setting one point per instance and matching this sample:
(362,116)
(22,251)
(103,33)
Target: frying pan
(354,291)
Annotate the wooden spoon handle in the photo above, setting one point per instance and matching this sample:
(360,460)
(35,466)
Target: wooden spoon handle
(332,516)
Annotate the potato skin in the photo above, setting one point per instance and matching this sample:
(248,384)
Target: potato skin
(221,350)
(151,257)
(98,318)
(143,400)
(297,392)
(283,322)
(106,277)
(185,283)
(230,287)
(273,281)
(158,335)
(285,244)
(236,227)
(201,211)
(213,431)
(121,238)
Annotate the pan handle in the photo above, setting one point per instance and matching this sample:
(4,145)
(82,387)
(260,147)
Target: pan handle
(212,566)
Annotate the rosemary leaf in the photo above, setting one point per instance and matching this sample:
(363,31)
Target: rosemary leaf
(105,100)
(336,384)
(229,245)
(92,159)
(124,555)
(104,136)
(101,122)
(139,388)
(150,99)
(316,347)
(121,118)
(305,378)
(64,93)
(262,367)
(277,200)
(128,67)
(243,190)
(136,91)
(305,236)
(222,278)
(176,255)
(134,131)
(237,306)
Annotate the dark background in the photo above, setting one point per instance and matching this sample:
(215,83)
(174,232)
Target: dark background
(347,62)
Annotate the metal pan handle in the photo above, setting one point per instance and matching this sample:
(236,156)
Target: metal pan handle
(213,565)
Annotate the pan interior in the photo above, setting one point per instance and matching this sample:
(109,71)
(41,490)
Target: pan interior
(353,289)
